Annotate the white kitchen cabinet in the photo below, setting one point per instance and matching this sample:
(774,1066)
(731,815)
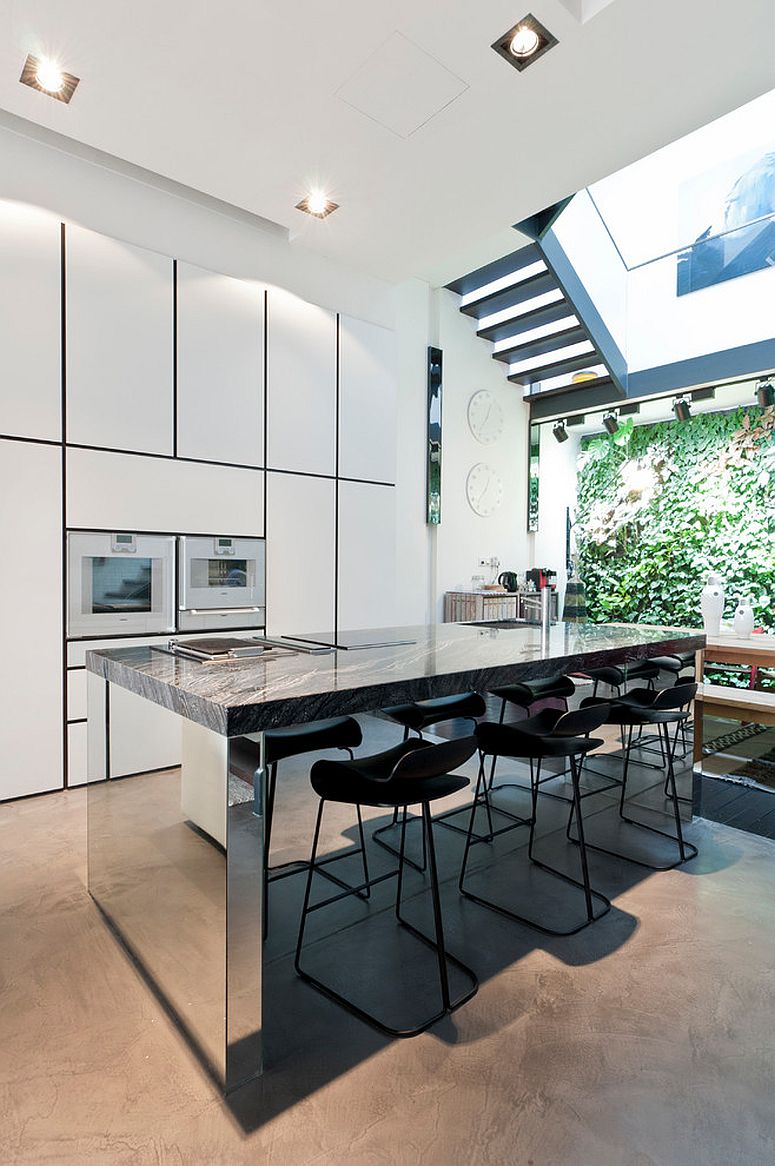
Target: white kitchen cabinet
(31,670)
(367,401)
(220,335)
(301,526)
(367,559)
(301,385)
(30,323)
(143,736)
(119,344)
(115,491)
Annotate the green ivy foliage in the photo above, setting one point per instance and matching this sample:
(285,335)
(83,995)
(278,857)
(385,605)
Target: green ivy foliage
(659,506)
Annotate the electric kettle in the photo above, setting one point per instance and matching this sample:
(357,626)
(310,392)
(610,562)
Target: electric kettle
(509,580)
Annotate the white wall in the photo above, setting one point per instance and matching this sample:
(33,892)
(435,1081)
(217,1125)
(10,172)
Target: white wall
(463,537)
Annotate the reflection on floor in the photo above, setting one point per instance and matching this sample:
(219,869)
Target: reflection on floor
(647,1038)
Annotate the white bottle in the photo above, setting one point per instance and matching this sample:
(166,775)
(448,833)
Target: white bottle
(744,617)
(712,605)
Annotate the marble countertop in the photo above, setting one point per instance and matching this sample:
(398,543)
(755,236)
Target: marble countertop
(246,695)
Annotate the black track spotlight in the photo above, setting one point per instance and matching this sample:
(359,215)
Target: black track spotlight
(765,394)
(611,422)
(560,432)
(682,409)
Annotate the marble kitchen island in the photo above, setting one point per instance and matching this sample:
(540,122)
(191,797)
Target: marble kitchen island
(187,906)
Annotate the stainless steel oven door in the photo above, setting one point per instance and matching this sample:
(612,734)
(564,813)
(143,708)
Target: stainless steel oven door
(120,584)
(221,583)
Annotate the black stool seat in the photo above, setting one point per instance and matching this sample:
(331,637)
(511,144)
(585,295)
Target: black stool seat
(627,711)
(385,779)
(674,664)
(517,741)
(617,677)
(421,713)
(414,771)
(525,693)
(335,733)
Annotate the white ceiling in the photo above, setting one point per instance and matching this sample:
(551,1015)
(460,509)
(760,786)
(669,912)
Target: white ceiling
(252,102)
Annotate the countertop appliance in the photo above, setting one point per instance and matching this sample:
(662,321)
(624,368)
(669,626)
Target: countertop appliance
(119,584)
(542,577)
(509,580)
(221,583)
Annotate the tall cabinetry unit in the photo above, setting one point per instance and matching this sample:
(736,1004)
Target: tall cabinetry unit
(302,457)
(367,465)
(31,535)
(30,323)
(119,345)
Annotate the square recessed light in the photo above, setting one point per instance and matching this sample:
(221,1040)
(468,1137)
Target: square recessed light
(525,42)
(317,204)
(46,76)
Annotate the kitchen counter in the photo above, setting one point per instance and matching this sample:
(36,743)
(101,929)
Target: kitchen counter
(245,696)
(176,858)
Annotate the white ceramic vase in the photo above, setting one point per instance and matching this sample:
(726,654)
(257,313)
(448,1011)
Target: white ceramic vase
(744,618)
(712,605)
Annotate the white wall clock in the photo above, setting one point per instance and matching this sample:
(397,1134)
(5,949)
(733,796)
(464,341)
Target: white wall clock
(484,489)
(485,417)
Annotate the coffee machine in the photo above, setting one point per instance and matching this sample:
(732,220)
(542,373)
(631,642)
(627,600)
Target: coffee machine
(542,577)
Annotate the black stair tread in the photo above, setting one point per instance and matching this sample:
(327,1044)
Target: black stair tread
(573,335)
(561,390)
(496,270)
(511,297)
(556,369)
(546,314)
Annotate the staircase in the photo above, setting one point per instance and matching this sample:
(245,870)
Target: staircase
(520,306)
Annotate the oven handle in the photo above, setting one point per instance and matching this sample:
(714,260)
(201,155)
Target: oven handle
(218,610)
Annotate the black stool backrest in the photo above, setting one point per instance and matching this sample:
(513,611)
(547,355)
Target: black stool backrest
(579,722)
(675,698)
(433,760)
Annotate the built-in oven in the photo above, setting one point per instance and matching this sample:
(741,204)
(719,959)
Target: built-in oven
(120,584)
(221,583)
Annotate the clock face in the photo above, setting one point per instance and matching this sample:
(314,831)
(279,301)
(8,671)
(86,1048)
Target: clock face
(484,489)
(485,417)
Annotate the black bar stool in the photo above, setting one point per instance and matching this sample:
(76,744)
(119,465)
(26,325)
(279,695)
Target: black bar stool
(524,695)
(414,772)
(418,716)
(550,734)
(661,710)
(680,667)
(336,733)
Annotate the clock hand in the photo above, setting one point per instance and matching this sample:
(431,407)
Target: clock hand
(484,491)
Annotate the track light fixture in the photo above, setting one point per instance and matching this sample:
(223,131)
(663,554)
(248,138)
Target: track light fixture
(765,393)
(682,409)
(611,422)
(559,431)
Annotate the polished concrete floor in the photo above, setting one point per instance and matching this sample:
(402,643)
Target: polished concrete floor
(647,1039)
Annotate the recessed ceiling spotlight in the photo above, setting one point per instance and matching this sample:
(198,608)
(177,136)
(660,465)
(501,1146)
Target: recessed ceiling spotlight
(611,422)
(765,393)
(317,203)
(525,42)
(45,74)
(682,409)
(559,431)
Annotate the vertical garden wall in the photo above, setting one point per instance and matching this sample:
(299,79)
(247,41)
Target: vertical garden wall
(659,506)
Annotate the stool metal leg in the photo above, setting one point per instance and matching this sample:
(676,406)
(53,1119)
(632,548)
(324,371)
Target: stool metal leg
(589,894)
(437,944)
(686,849)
